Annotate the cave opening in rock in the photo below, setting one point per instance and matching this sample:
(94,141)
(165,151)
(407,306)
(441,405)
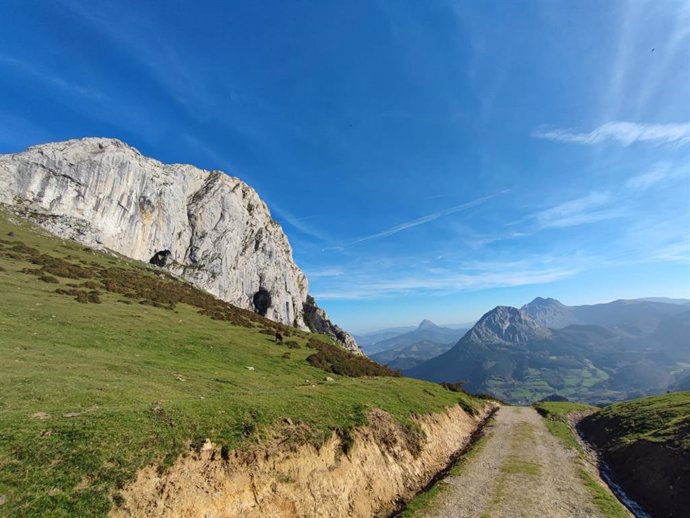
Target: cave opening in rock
(262,301)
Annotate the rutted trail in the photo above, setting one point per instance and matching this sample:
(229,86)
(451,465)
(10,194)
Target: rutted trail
(522,471)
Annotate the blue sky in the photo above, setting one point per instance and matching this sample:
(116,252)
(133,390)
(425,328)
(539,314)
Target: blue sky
(426,159)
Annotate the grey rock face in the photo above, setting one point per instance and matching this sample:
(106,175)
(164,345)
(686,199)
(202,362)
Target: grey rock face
(318,322)
(550,313)
(506,324)
(105,194)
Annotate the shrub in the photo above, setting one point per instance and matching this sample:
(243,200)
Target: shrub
(93,297)
(337,360)
(453,387)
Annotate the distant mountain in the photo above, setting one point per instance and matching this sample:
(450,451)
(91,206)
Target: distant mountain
(637,317)
(409,349)
(402,358)
(597,353)
(673,336)
(505,324)
(367,340)
(666,300)
(550,313)
(492,347)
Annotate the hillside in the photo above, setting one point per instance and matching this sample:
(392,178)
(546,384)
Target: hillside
(646,443)
(636,318)
(643,349)
(110,365)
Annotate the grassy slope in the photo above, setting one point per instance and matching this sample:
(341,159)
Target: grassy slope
(556,418)
(145,382)
(646,442)
(664,418)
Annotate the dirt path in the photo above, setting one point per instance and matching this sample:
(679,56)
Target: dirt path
(521,471)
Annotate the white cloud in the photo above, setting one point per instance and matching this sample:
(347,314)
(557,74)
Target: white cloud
(298,223)
(624,132)
(675,252)
(660,172)
(425,219)
(378,284)
(587,209)
(325,272)
(51,78)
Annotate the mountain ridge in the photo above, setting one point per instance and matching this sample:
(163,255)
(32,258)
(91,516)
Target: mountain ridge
(605,352)
(406,350)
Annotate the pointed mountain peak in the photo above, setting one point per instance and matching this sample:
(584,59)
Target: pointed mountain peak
(426,324)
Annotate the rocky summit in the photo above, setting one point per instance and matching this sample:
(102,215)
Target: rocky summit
(506,324)
(206,227)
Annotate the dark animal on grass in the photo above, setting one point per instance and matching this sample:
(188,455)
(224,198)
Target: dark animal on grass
(279,337)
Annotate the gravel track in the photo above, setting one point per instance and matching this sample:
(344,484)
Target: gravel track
(521,471)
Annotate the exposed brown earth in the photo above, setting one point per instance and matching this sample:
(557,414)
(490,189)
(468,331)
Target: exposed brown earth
(365,475)
(521,471)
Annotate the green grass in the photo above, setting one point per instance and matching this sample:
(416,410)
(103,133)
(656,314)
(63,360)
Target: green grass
(607,503)
(663,418)
(94,391)
(514,465)
(555,416)
(425,500)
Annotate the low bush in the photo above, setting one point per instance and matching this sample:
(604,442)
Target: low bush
(337,360)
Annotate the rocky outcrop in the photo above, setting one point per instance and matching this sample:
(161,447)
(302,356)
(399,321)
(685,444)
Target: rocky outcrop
(219,234)
(318,322)
(364,473)
(506,324)
(550,313)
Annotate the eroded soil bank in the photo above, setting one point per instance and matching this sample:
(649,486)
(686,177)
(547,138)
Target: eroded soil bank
(364,474)
(655,475)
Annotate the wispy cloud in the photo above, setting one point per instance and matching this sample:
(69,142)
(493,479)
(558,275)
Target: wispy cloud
(165,57)
(660,172)
(374,282)
(53,79)
(674,252)
(325,272)
(299,223)
(586,209)
(624,132)
(424,219)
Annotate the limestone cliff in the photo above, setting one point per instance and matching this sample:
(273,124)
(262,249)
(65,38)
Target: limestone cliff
(211,229)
